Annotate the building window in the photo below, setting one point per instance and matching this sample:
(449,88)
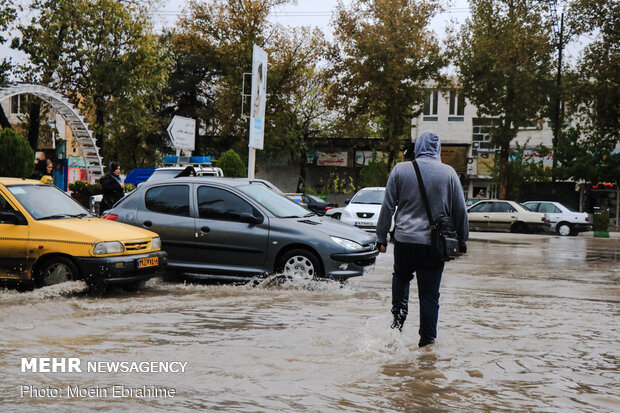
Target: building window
(481,137)
(457,104)
(15,104)
(430,106)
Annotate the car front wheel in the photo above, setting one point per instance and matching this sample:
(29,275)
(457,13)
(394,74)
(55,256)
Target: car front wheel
(55,271)
(299,263)
(564,229)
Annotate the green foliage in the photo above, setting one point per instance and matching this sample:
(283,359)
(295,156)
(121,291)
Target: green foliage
(129,187)
(383,54)
(16,155)
(7,15)
(85,188)
(600,222)
(503,55)
(524,170)
(336,184)
(232,165)
(376,172)
(104,53)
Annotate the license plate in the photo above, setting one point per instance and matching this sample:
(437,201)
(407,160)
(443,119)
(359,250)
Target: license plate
(363,223)
(148,262)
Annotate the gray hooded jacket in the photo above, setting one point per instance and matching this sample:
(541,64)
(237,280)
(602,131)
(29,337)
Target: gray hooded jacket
(443,190)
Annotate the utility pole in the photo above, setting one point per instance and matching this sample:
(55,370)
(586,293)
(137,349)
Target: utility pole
(558,104)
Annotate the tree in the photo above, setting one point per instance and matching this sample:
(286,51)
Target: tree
(16,156)
(7,15)
(232,165)
(503,56)
(104,54)
(375,173)
(589,149)
(383,54)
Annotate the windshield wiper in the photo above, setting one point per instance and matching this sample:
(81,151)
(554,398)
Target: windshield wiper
(310,214)
(291,216)
(82,215)
(58,216)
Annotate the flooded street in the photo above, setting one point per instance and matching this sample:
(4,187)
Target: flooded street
(527,322)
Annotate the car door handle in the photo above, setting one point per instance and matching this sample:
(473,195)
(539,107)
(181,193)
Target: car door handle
(204,230)
(512,216)
(147,223)
(485,216)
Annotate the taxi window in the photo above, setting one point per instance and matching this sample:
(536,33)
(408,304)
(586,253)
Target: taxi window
(482,207)
(503,207)
(4,205)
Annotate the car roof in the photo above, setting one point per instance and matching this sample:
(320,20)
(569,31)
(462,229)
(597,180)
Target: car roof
(234,182)
(18,181)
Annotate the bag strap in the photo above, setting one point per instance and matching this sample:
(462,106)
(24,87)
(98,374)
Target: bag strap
(423,192)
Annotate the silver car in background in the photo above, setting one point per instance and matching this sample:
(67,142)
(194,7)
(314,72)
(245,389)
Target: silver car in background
(564,221)
(236,228)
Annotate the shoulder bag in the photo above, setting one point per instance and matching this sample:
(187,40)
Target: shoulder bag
(444,243)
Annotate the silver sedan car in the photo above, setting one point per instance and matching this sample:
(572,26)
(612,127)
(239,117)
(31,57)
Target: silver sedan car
(237,228)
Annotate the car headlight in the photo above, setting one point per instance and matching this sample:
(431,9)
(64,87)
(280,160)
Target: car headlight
(156,243)
(346,244)
(108,247)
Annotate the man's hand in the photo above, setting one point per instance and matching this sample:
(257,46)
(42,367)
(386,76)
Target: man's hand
(462,249)
(382,247)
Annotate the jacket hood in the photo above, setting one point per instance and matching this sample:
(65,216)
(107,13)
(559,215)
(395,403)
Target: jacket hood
(428,146)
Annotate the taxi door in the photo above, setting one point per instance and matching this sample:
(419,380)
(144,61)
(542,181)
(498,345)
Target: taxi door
(13,242)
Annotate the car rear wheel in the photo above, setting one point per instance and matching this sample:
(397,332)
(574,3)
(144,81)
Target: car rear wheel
(55,271)
(564,229)
(519,227)
(299,263)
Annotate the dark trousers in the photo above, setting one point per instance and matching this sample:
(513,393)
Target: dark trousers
(410,259)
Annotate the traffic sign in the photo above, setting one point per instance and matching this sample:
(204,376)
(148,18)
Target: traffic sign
(182,132)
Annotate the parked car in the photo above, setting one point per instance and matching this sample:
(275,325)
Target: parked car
(236,228)
(563,220)
(46,237)
(167,172)
(316,204)
(501,215)
(362,210)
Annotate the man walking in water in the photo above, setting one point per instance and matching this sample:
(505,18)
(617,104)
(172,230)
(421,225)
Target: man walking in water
(412,235)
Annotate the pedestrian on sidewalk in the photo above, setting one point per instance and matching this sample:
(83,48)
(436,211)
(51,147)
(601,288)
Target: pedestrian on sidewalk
(112,187)
(412,235)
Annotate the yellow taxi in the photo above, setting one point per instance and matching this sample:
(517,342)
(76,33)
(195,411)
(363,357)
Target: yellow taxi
(46,237)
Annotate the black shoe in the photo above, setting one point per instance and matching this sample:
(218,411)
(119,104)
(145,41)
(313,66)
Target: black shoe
(400,315)
(425,342)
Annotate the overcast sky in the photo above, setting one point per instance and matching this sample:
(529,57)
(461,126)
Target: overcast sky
(305,13)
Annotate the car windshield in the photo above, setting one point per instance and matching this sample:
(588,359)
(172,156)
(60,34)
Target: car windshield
(314,198)
(164,174)
(369,196)
(47,202)
(277,204)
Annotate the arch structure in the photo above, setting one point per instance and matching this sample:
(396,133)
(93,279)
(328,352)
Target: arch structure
(79,127)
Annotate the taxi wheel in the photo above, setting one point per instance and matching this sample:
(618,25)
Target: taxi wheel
(564,229)
(56,270)
(299,263)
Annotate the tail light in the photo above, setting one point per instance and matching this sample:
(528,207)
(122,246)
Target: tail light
(328,207)
(111,217)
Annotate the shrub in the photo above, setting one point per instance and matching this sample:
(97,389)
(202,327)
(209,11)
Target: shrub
(232,165)
(85,188)
(600,222)
(16,155)
(375,173)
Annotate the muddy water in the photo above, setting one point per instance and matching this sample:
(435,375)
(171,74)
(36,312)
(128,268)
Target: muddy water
(526,323)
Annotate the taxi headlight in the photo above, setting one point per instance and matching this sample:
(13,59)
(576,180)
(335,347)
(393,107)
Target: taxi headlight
(108,247)
(346,244)
(156,243)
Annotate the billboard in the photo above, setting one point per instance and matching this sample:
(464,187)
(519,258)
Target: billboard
(258,97)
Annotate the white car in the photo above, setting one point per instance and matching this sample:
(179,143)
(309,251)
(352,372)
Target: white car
(501,215)
(564,221)
(363,209)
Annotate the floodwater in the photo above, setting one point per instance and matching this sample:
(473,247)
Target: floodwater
(527,322)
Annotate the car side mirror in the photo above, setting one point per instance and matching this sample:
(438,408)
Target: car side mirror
(250,219)
(13,218)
